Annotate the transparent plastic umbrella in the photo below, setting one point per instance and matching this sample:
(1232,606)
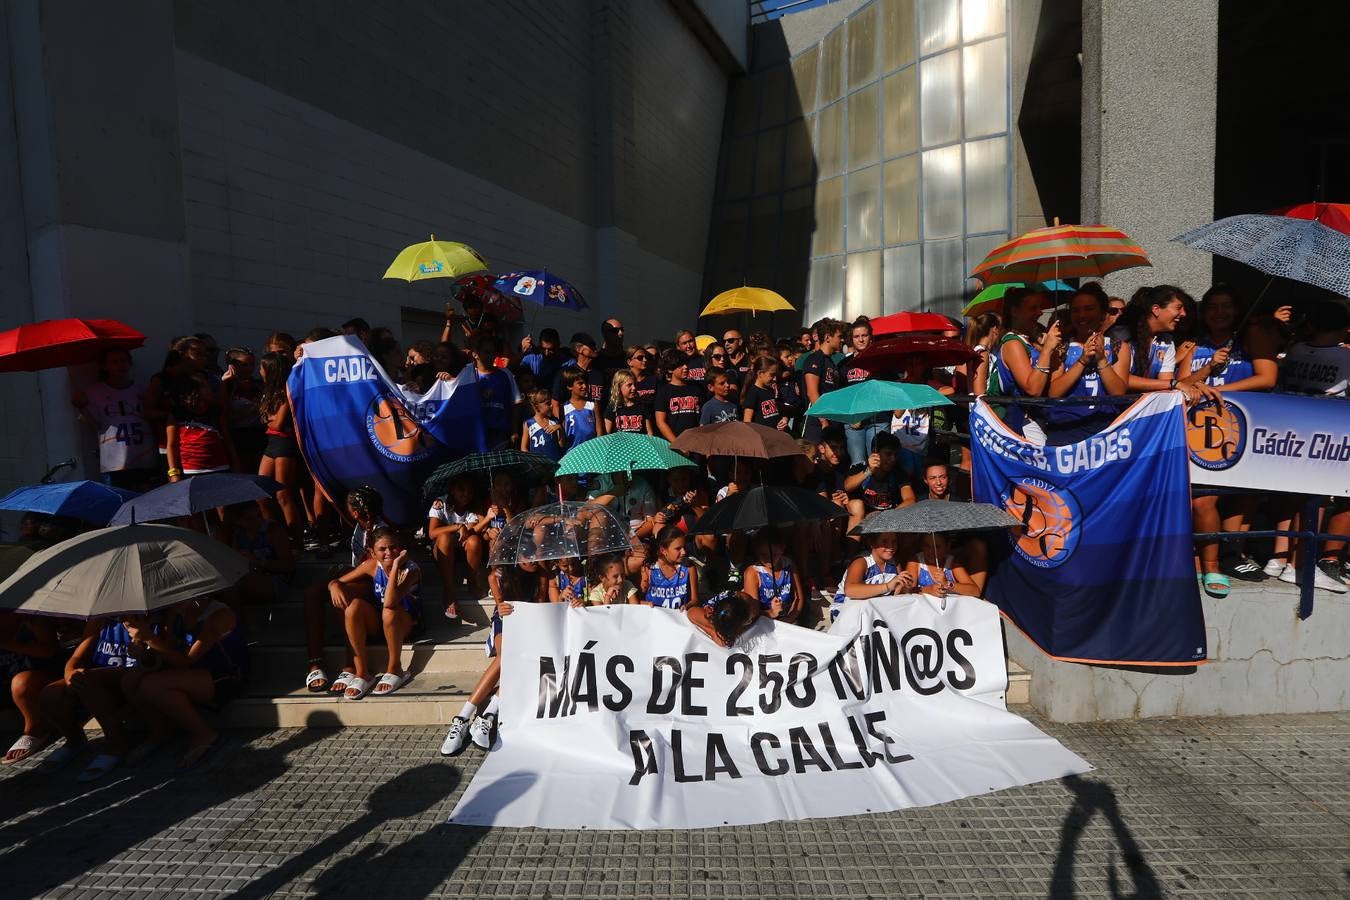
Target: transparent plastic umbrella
(567,530)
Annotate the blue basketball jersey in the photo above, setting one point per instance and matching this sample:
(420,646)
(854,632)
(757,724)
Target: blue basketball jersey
(671,593)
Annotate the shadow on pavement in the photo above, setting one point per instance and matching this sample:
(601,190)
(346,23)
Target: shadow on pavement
(82,826)
(1089,798)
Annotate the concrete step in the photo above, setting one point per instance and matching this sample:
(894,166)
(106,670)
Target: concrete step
(1019,685)
(431,698)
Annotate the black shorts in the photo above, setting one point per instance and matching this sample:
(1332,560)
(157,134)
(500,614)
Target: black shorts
(281,446)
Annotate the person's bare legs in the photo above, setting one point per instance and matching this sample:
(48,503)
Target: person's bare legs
(475,554)
(60,709)
(397,623)
(174,695)
(487,682)
(100,693)
(443,551)
(26,689)
(1205,518)
(360,618)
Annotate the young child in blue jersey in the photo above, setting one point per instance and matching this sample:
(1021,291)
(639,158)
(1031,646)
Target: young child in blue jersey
(542,434)
(874,574)
(394,605)
(771,579)
(937,571)
(568,584)
(580,420)
(668,582)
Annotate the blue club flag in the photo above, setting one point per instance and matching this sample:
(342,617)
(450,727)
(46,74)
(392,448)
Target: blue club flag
(355,426)
(1103,570)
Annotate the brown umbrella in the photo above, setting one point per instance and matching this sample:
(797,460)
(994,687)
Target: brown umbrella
(737,439)
(119,571)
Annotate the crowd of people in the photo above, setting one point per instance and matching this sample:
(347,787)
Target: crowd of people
(200,414)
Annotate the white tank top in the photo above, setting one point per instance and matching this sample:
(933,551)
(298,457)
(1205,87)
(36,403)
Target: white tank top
(124,438)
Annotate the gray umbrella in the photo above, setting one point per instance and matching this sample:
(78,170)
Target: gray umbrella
(123,570)
(931,516)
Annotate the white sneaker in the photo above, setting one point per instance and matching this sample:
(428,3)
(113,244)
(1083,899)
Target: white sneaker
(482,730)
(456,738)
(1321,581)
(1275,568)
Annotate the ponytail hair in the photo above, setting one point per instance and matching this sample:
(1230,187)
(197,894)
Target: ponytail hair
(760,365)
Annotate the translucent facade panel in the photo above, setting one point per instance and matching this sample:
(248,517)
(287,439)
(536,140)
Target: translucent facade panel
(731,238)
(831,67)
(830,141)
(977,248)
(862,47)
(762,240)
(942,206)
(805,69)
(864,209)
(982,18)
(773,94)
(900,279)
(825,289)
(829,233)
(985,77)
(987,185)
(900,197)
(939,25)
(863,142)
(899,112)
(897,34)
(742,102)
(940,100)
(801,158)
(862,285)
(944,277)
(740,168)
(769,161)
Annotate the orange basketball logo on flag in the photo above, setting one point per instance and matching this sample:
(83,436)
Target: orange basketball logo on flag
(395,432)
(1049,517)
(1216,434)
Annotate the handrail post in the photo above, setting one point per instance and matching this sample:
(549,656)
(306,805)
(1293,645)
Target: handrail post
(1312,551)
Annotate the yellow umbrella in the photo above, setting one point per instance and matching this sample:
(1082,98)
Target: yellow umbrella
(435,259)
(703,342)
(746,299)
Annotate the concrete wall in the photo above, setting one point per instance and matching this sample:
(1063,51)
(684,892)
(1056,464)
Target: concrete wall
(1262,659)
(1148,130)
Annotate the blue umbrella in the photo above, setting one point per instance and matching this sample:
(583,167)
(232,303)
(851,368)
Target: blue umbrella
(88,501)
(1056,287)
(194,495)
(1302,249)
(542,288)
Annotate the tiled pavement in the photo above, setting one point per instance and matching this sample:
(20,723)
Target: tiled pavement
(1177,807)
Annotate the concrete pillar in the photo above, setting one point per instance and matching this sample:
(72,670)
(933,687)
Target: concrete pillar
(96,107)
(1149,75)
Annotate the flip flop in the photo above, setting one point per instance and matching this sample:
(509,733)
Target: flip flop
(195,759)
(390,682)
(342,682)
(453,617)
(99,766)
(59,758)
(360,685)
(316,682)
(28,744)
(1216,585)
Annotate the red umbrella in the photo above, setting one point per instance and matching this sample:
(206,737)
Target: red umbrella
(63,342)
(901,322)
(479,285)
(909,352)
(1332,215)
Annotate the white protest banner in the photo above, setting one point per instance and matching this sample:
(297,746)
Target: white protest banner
(629,717)
(1271,442)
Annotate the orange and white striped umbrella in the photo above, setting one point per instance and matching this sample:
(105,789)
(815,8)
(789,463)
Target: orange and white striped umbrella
(1061,251)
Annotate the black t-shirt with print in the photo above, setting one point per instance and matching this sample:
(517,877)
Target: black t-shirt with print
(632,418)
(646,392)
(681,403)
(822,367)
(850,372)
(595,385)
(763,405)
(698,369)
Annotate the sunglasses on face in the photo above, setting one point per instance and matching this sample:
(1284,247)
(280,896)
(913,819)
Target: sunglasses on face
(1115,310)
(731,340)
(717,356)
(638,357)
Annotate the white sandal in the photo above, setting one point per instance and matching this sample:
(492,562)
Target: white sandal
(314,677)
(390,682)
(342,682)
(360,685)
(29,744)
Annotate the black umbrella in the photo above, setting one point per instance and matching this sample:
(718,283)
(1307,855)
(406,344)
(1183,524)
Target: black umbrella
(194,495)
(931,516)
(762,507)
(533,464)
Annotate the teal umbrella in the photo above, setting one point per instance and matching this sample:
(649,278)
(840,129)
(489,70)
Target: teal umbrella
(620,452)
(867,398)
(991,298)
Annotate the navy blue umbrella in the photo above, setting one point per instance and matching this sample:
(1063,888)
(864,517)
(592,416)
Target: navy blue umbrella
(194,495)
(88,501)
(540,287)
